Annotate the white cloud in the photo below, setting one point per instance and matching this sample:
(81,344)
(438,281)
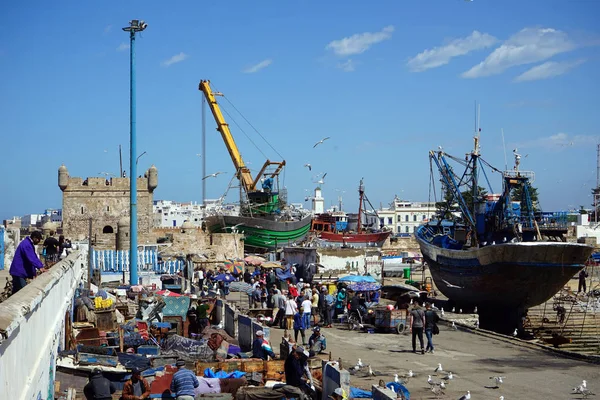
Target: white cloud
(438,56)
(547,70)
(346,66)
(175,59)
(560,141)
(107,29)
(123,46)
(257,67)
(528,46)
(359,42)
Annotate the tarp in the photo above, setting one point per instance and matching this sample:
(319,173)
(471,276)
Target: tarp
(167,293)
(363,286)
(254,260)
(223,277)
(209,373)
(358,393)
(284,273)
(240,287)
(358,278)
(399,388)
(188,349)
(176,306)
(271,264)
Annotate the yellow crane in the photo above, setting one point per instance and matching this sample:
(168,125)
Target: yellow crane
(243,172)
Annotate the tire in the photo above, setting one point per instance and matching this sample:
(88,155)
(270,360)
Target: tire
(400,329)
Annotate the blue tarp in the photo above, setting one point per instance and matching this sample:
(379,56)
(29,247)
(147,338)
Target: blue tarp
(209,373)
(284,274)
(223,277)
(358,278)
(399,388)
(356,393)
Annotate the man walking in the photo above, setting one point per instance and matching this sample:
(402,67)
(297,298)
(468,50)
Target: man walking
(582,285)
(431,319)
(25,262)
(184,381)
(51,247)
(417,322)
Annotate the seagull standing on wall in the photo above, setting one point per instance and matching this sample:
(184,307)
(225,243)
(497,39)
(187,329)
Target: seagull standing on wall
(321,141)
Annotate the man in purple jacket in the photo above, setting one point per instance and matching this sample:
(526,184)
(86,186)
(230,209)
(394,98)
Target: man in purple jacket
(26,261)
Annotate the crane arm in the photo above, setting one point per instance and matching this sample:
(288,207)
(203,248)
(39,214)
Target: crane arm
(243,172)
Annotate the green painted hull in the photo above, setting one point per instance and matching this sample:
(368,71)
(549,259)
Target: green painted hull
(259,232)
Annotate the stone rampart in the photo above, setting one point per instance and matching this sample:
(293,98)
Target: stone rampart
(32,326)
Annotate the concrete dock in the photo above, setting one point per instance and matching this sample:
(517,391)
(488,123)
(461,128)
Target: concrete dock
(529,373)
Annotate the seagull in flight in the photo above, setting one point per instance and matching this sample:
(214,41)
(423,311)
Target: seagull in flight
(213,175)
(451,285)
(322,180)
(307,165)
(321,141)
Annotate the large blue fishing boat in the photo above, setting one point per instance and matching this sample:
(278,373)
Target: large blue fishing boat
(499,253)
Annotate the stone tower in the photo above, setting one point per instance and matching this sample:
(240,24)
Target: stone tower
(105,201)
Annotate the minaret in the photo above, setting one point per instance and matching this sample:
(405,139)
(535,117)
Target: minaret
(318,202)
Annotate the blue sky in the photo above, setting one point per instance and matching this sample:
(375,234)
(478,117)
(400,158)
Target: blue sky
(386,80)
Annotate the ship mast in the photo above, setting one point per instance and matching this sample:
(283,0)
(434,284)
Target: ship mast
(361,193)
(475,156)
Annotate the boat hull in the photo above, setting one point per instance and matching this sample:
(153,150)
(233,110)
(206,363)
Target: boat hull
(261,233)
(353,239)
(504,276)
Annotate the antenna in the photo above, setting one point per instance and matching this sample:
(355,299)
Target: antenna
(504,146)
(120,163)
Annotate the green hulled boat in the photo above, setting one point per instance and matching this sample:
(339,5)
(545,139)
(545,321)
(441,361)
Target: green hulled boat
(264,217)
(261,233)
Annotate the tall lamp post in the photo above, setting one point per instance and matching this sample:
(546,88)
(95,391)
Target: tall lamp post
(135,25)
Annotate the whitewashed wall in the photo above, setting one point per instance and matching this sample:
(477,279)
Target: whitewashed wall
(32,330)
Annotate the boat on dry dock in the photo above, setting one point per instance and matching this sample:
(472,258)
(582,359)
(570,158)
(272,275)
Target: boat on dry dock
(326,228)
(498,253)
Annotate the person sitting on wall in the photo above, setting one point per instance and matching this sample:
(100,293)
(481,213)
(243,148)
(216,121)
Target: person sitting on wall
(26,263)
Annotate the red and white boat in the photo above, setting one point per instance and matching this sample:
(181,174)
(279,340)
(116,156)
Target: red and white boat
(330,229)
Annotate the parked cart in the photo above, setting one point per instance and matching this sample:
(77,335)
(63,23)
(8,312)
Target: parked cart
(391,320)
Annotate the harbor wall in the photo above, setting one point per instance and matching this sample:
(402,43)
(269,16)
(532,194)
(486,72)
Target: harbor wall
(231,320)
(32,329)
(333,378)
(380,393)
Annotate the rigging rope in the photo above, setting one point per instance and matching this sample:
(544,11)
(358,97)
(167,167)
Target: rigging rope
(245,134)
(252,126)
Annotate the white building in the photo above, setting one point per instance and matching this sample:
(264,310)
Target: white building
(169,214)
(52,215)
(31,220)
(318,202)
(403,217)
